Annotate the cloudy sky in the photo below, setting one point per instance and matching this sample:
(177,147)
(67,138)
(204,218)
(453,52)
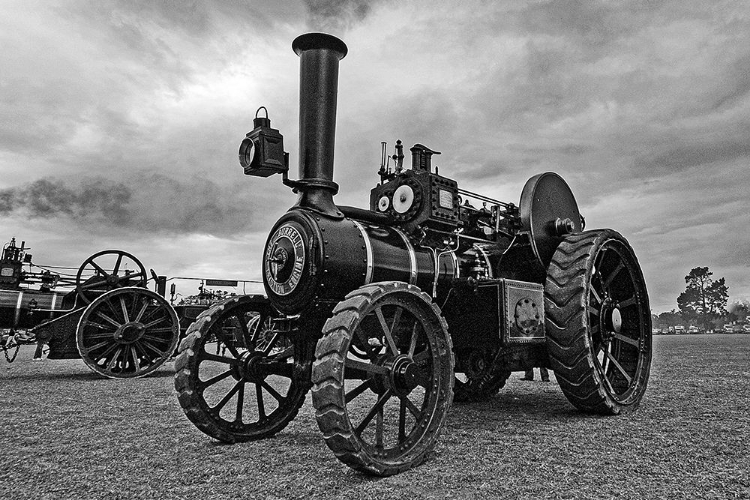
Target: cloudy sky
(121,121)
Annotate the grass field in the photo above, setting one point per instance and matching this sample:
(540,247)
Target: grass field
(66,433)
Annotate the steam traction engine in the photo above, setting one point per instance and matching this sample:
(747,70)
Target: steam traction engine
(104,314)
(390,313)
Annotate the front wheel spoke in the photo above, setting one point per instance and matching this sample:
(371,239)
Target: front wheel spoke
(207,356)
(402,421)
(240,404)
(373,411)
(379,428)
(593,311)
(228,396)
(386,330)
(278,397)
(406,402)
(213,380)
(413,341)
(259,399)
(361,366)
(357,391)
(627,340)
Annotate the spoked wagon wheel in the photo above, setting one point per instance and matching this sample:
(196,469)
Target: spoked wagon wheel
(238,375)
(127,333)
(598,322)
(108,270)
(383,378)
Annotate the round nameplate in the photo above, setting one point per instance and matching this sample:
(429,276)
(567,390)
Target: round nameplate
(284,260)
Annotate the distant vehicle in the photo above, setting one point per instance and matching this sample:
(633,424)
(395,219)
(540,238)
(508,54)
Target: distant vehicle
(679,330)
(738,329)
(693,329)
(746,328)
(728,329)
(655,331)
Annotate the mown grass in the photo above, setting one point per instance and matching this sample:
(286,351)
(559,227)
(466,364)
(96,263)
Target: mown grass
(66,433)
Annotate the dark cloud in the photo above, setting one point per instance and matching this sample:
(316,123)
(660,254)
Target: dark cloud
(337,15)
(642,107)
(154,205)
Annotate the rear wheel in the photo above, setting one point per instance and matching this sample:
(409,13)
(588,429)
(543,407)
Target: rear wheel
(598,322)
(383,378)
(238,374)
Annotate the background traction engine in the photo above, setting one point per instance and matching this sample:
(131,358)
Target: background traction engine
(390,313)
(104,315)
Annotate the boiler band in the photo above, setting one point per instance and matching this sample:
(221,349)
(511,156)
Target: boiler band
(310,257)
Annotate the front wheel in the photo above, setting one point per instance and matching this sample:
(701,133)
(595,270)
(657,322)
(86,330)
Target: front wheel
(598,322)
(238,375)
(383,378)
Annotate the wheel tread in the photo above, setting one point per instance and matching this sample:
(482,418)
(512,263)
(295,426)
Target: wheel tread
(568,337)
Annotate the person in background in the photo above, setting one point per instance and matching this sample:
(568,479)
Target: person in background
(529,375)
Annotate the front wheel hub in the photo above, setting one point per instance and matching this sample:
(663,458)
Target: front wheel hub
(405,375)
(249,367)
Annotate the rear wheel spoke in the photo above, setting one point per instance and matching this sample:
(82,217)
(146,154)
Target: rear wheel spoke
(627,340)
(620,368)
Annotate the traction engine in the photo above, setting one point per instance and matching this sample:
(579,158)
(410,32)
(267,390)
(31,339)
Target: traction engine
(391,313)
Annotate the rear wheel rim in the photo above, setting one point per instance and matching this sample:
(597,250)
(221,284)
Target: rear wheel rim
(616,304)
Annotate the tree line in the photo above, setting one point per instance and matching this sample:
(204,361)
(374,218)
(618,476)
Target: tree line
(704,303)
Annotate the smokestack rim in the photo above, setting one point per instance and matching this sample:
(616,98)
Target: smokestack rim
(311,41)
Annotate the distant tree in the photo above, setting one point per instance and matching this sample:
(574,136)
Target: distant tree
(670,318)
(704,298)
